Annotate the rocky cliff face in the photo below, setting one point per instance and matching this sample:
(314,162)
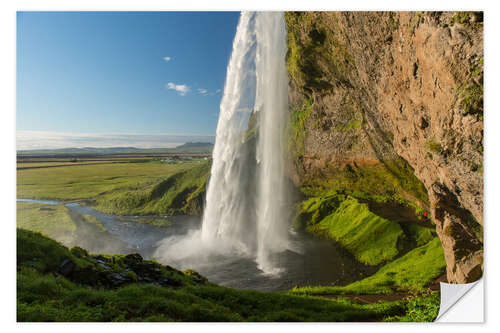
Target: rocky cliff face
(391,103)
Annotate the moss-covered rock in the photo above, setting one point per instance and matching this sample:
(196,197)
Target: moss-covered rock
(391,104)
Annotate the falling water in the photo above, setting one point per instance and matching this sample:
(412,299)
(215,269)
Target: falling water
(245,204)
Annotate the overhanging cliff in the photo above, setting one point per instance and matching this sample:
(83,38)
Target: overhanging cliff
(391,103)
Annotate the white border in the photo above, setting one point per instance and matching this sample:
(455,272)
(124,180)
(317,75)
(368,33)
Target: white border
(7,63)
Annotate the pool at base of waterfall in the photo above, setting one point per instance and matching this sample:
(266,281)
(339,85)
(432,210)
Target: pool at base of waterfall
(313,261)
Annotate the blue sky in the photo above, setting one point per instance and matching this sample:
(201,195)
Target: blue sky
(107,73)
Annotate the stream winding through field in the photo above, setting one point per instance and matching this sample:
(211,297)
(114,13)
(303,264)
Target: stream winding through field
(319,262)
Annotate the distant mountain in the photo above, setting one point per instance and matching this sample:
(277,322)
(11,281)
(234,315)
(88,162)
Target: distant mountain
(195,144)
(188,147)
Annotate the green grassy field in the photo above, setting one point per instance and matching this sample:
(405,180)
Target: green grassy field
(89,181)
(45,293)
(51,220)
(124,188)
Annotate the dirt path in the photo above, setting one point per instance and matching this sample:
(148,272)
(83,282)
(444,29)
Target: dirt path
(396,296)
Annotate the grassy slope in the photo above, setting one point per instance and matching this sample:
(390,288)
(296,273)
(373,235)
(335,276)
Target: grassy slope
(370,238)
(373,240)
(411,272)
(180,193)
(43,295)
(122,188)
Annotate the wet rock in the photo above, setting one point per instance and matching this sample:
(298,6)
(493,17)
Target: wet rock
(147,270)
(132,259)
(66,267)
(103,266)
(117,279)
(102,259)
(170,282)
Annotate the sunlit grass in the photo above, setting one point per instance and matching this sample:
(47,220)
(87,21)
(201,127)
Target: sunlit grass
(412,272)
(77,182)
(51,220)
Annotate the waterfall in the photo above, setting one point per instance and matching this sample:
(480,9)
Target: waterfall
(245,204)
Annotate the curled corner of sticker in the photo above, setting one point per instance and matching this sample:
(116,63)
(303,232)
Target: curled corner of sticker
(451,295)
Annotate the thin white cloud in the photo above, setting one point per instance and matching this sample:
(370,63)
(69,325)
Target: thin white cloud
(26,140)
(204,92)
(182,89)
(167,59)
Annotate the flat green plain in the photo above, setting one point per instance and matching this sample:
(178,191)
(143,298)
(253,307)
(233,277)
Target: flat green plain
(79,182)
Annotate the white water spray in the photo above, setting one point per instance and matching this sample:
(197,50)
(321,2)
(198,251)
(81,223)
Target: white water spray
(252,220)
(244,212)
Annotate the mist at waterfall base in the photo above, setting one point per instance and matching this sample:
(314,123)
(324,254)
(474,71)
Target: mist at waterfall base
(245,239)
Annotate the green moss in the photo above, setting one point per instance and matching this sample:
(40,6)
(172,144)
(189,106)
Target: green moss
(393,23)
(475,167)
(311,42)
(448,231)
(297,129)
(393,179)
(131,275)
(352,125)
(370,238)
(465,18)
(433,146)
(79,252)
(413,271)
(472,99)
(422,235)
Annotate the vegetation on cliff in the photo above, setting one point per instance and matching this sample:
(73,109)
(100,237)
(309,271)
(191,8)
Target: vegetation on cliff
(372,239)
(390,96)
(412,272)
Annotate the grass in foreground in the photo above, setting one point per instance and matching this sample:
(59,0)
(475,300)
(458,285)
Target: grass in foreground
(47,293)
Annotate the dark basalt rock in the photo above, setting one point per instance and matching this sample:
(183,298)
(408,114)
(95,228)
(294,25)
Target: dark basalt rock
(169,282)
(117,279)
(102,259)
(66,267)
(132,259)
(147,270)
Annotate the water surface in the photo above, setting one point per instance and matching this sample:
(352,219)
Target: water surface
(316,261)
